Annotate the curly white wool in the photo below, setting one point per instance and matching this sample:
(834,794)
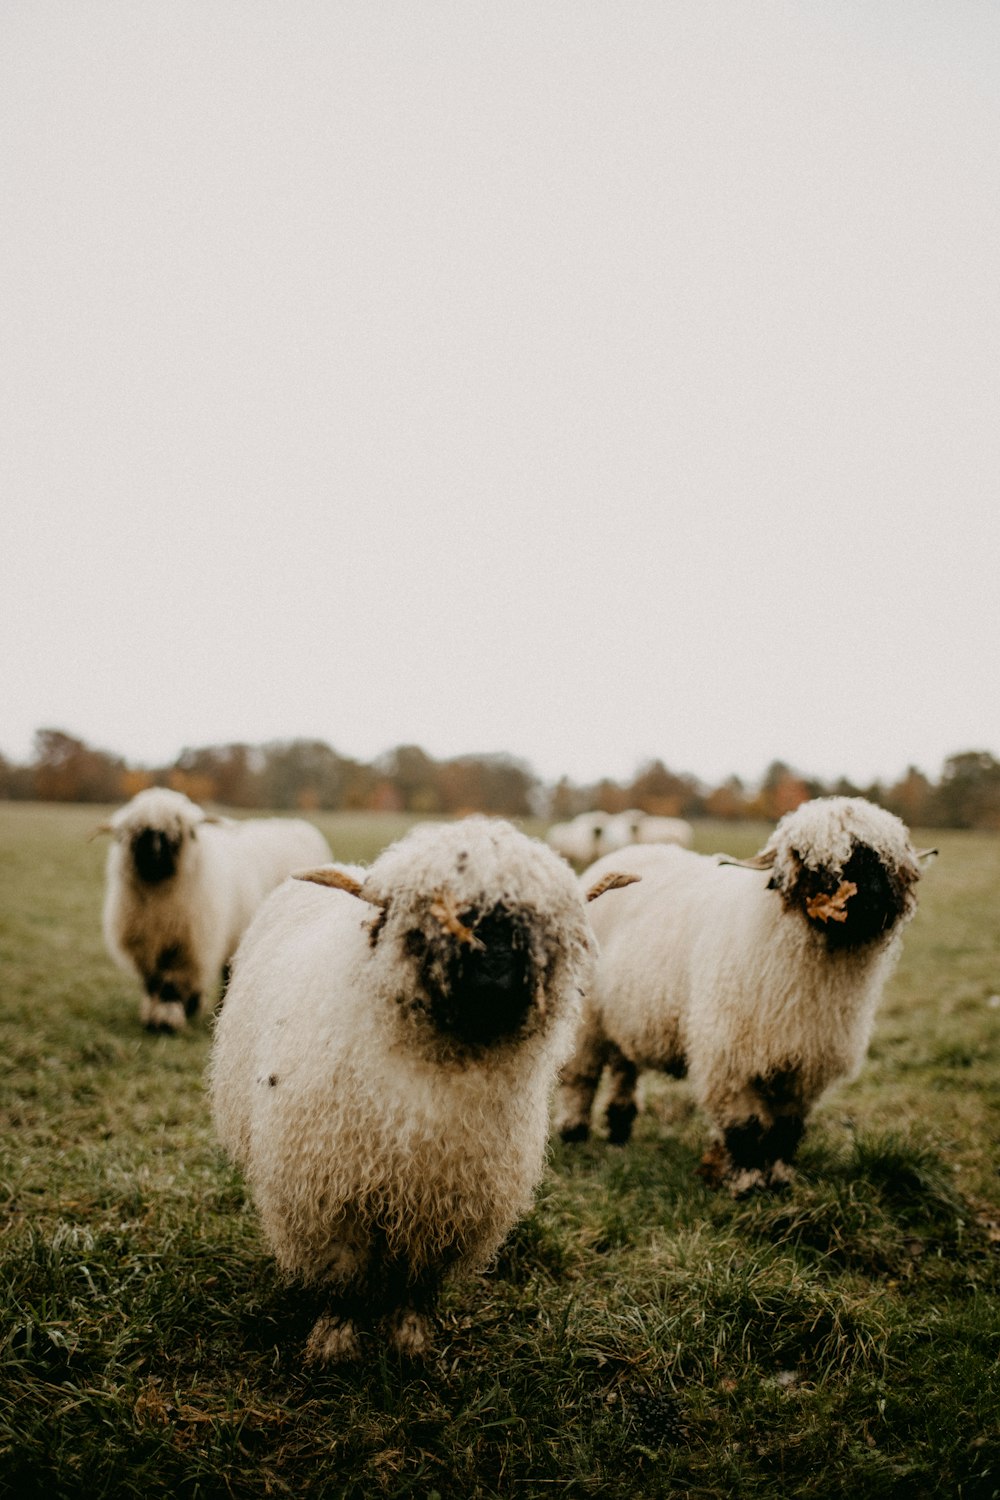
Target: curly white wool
(762,987)
(177,932)
(381,1151)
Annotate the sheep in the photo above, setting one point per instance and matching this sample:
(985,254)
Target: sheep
(636,827)
(761,987)
(581,840)
(181,887)
(383,1067)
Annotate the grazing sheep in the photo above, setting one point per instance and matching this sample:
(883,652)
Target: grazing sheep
(181,887)
(383,1066)
(762,987)
(635,827)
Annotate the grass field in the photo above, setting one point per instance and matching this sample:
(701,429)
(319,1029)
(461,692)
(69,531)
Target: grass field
(640,1335)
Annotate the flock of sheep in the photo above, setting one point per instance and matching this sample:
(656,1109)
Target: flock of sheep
(391,1038)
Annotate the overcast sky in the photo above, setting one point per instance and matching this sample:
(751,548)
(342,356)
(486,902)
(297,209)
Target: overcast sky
(592,381)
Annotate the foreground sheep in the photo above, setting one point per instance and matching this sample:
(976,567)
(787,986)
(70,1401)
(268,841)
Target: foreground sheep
(762,986)
(182,886)
(383,1065)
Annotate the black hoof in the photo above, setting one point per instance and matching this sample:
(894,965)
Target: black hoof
(571,1134)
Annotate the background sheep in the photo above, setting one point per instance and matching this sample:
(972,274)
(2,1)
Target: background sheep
(181,887)
(383,1066)
(636,827)
(762,986)
(581,840)
(591,834)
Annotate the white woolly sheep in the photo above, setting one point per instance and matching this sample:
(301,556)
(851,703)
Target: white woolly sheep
(582,839)
(181,887)
(761,987)
(636,827)
(382,1072)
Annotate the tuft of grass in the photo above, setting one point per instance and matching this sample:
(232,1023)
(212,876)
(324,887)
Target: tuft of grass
(637,1335)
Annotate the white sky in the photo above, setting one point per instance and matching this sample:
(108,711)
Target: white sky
(591,381)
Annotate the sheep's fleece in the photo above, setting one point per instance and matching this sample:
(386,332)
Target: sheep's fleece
(761,983)
(384,1062)
(180,889)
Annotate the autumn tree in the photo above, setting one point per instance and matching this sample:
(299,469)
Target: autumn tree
(968,795)
(232,771)
(656,790)
(65,769)
(414,775)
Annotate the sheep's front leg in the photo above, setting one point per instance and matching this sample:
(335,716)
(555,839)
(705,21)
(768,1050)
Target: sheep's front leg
(578,1082)
(334,1338)
(161,1013)
(408,1326)
(760,1128)
(336,1334)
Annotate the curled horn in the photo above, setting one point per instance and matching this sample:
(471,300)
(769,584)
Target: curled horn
(611,882)
(338,880)
(762,861)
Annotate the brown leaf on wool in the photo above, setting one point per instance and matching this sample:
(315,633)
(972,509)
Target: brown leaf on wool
(445,909)
(832,908)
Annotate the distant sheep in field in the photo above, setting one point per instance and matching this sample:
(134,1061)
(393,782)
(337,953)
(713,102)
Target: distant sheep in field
(180,889)
(761,986)
(591,834)
(383,1066)
(581,840)
(635,827)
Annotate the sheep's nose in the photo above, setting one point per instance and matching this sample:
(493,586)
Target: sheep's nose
(488,988)
(154,855)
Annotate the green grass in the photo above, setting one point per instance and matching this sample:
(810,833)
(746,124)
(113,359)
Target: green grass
(639,1335)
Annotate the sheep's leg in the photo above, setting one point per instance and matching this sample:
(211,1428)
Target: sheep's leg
(402,1301)
(409,1325)
(622,1109)
(578,1084)
(334,1339)
(761,1130)
(781,1143)
(336,1334)
(161,1012)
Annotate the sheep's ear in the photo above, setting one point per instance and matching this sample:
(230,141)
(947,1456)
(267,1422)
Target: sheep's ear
(762,861)
(611,882)
(338,880)
(101,828)
(925,853)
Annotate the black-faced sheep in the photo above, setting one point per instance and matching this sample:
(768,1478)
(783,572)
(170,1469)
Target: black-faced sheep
(180,889)
(762,987)
(384,1062)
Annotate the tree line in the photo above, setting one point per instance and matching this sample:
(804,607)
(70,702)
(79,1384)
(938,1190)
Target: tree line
(310,776)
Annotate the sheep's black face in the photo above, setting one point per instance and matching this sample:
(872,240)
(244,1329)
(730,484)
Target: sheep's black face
(850,920)
(155,854)
(477,992)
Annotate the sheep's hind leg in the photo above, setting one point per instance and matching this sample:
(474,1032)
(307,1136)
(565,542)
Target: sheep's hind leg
(622,1108)
(578,1085)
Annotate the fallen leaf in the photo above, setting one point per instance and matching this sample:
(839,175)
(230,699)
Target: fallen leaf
(832,908)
